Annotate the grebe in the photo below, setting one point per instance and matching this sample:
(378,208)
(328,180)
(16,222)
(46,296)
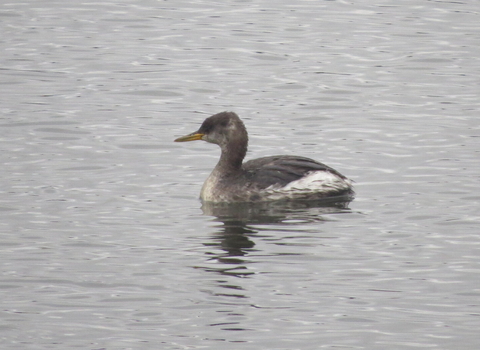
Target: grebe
(263,179)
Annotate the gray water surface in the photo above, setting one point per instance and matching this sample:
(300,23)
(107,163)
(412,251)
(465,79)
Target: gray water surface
(104,243)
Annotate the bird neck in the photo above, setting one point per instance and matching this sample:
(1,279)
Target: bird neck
(233,154)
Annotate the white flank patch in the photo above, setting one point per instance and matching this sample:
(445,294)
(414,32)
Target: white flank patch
(314,182)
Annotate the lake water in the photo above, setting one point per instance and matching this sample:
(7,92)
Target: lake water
(104,243)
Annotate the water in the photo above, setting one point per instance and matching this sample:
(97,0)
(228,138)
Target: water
(104,244)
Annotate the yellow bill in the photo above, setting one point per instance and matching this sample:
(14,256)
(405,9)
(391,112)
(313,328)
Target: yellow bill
(190,137)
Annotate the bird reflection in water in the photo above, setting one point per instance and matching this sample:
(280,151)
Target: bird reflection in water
(236,237)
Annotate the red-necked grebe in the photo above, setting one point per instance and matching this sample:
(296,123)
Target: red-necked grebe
(262,179)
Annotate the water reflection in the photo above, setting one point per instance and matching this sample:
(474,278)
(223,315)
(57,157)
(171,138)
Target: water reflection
(276,212)
(235,238)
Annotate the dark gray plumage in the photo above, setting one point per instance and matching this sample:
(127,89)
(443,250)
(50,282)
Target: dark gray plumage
(262,179)
(281,170)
